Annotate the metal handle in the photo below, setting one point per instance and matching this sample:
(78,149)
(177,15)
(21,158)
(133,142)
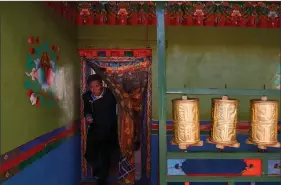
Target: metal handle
(184,86)
(225,86)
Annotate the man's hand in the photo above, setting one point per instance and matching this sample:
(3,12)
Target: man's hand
(89,119)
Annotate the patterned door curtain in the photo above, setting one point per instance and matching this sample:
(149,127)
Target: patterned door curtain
(129,78)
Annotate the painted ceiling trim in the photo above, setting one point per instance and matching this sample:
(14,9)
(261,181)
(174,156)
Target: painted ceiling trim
(195,13)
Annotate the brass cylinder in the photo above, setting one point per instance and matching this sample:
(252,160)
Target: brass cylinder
(264,122)
(224,121)
(186,122)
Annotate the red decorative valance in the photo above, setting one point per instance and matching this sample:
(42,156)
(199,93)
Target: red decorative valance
(234,14)
(91,53)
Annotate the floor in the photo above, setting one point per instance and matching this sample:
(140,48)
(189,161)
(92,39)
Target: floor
(92,183)
(114,161)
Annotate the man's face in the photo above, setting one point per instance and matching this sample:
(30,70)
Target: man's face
(96,87)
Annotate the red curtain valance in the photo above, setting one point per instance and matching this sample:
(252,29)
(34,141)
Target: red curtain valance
(213,13)
(89,53)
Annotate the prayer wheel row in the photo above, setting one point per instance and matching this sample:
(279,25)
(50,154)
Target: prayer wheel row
(263,126)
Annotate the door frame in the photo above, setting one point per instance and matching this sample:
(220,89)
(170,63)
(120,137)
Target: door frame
(118,55)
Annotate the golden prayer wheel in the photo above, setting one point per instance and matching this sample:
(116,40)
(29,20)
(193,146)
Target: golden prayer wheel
(223,123)
(186,122)
(264,123)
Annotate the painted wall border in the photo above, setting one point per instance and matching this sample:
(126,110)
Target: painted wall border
(21,157)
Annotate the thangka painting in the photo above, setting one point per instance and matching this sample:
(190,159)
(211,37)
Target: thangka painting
(40,73)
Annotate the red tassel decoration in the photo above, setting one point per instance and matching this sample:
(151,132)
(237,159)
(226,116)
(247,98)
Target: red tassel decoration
(73,15)
(37,102)
(57,58)
(59,8)
(57,49)
(52,47)
(31,51)
(31,40)
(134,18)
(37,40)
(111,19)
(79,19)
(89,20)
(29,92)
(51,4)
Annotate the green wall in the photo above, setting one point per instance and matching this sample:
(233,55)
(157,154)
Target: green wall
(200,57)
(197,57)
(20,121)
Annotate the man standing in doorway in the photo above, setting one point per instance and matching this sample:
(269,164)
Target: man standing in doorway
(102,136)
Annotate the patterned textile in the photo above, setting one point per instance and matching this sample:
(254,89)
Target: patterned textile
(130,80)
(124,167)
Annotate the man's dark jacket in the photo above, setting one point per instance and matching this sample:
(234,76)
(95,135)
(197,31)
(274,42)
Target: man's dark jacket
(103,113)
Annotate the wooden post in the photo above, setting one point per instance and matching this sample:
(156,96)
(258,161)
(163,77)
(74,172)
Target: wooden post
(161,48)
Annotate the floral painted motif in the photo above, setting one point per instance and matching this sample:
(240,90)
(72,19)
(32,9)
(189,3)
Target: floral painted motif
(41,72)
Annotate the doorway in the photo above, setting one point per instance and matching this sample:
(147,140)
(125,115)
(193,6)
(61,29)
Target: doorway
(128,74)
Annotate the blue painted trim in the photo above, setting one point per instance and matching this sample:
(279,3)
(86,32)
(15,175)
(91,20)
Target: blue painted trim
(27,146)
(214,91)
(43,138)
(60,166)
(204,122)
(154,177)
